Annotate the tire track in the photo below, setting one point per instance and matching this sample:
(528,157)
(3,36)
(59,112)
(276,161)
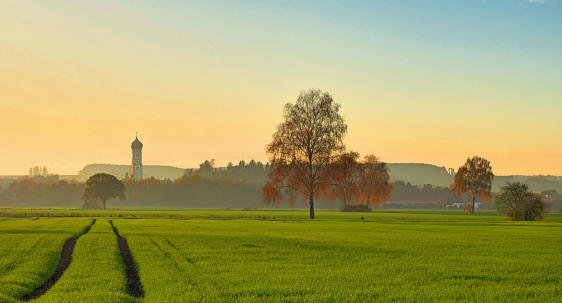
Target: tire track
(64,262)
(134,286)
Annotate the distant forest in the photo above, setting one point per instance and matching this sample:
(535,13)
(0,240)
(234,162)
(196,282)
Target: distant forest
(193,191)
(255,171)
(234,186)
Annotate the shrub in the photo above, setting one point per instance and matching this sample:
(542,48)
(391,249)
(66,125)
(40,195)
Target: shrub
(519,204)
(356,208)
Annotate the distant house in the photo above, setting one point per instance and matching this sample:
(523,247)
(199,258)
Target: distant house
(460,205)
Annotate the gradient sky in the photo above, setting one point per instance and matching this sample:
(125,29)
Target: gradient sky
(419,81)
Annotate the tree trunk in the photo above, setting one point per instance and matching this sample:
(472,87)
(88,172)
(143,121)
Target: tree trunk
(311,203)
(103,201)
(473,199)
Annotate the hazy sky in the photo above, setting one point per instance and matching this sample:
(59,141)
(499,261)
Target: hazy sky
(419,81)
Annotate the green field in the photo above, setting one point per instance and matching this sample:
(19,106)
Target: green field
(280,256)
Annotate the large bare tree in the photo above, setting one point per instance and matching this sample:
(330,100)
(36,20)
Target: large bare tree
(303,146)
(474,178)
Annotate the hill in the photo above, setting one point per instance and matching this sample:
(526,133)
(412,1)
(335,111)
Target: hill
(420,174)
(156,171)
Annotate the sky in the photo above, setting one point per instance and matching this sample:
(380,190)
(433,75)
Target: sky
(418,81)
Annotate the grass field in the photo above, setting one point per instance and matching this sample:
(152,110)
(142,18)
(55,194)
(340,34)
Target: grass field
(29,251)
(279,256)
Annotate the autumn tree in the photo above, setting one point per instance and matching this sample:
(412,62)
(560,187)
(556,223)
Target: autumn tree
(344,177)
(103,187)
(374,185)
(303,147)
(519,204)
(475,179)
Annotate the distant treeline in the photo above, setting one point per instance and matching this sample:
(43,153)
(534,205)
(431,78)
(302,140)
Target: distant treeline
(186,191)
(427,193)
(253,171)
(40,191)
(234,186)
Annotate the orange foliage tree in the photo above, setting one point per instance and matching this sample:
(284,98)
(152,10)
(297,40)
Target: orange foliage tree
(374,185)
(303,147)
(344,174)
(474,178)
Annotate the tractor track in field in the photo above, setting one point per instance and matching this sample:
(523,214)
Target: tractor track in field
(64,262)
(134,286)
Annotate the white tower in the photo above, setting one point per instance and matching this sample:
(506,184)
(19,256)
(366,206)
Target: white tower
(136,168)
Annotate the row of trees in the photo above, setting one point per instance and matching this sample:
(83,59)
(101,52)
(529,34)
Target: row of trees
(309,159)
(38,171)
(518,203)
(196,191)
(44,192)
(352,181)
(186,191)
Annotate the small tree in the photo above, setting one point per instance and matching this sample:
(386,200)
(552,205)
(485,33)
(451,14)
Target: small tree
(519,204)
(474,178)
(304,146)
(374,186)
(103,187)
(534,208)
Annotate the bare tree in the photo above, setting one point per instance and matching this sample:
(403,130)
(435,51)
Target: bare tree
(303,147)
(475,178)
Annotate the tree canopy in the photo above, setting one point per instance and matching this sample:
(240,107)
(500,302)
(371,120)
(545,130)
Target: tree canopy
(103,187)
(520,204)
(303,146)
(344,174)
(475,179)
(374,186)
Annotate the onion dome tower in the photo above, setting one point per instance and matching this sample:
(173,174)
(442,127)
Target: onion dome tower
(136,168)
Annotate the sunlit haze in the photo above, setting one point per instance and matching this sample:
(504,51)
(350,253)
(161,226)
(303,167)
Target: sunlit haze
(432,82)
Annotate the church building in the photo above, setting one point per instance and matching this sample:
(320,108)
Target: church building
(136,168)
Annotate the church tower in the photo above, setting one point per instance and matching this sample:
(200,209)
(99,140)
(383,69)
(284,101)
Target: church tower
(136,168)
